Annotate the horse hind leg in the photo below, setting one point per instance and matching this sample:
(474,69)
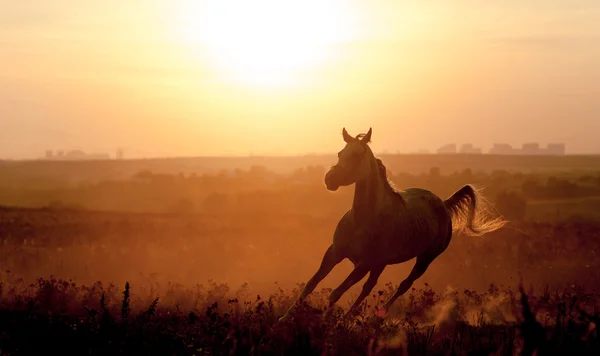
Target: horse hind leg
(330,260)
(367,287)
(421,265)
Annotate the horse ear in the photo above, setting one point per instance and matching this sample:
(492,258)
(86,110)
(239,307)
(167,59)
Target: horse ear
(367,138)
(347,136)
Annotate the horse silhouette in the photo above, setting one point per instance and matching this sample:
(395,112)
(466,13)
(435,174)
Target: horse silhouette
(386,226)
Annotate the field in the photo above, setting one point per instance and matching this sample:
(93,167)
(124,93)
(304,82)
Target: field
(178,262)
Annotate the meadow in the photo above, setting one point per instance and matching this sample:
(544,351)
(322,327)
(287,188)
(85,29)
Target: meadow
(181,262)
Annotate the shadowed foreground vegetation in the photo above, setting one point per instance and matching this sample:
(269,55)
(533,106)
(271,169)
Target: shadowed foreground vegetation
(60,316)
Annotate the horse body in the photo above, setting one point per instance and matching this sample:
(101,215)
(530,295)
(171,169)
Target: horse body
(385,226)
(406,228)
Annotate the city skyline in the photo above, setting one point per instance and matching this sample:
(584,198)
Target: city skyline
(527,148)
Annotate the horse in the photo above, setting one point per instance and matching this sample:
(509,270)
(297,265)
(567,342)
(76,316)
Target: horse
(387,226)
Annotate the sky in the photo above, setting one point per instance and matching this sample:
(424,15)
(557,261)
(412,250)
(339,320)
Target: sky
(194,78)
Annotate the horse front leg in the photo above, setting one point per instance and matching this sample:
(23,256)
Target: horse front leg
(330,260)
(360,270)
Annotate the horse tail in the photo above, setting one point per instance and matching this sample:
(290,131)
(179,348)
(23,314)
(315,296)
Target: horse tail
(469,213)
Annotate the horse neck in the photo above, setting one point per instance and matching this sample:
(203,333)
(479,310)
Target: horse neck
(369,195)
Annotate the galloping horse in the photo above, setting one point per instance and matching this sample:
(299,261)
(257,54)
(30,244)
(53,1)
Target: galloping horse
(386,226)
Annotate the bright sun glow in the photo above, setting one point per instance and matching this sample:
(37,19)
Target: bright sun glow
(265,42)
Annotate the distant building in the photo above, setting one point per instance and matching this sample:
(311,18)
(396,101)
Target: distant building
(74,155)
(502,149)
(556,149)
(468,148)
(531,148)
(446,149)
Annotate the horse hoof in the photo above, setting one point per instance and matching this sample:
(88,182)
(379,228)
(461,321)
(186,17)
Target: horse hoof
(382,313)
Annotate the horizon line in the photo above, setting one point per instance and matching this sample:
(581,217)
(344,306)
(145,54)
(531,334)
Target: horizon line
(247,156)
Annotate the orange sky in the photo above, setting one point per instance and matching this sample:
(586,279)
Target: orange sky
(207,78)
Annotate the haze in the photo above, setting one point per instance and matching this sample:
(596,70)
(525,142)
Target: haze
(179,78)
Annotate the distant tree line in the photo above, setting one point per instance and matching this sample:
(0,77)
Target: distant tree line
(302,191)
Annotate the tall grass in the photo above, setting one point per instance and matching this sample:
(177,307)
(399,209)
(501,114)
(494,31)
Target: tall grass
(60,316)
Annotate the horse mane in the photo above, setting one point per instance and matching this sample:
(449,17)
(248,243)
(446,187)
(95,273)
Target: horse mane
(387,183)
(382,170)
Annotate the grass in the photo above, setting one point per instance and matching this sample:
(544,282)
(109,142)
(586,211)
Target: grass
(54,315)
(163,315)
(562,209)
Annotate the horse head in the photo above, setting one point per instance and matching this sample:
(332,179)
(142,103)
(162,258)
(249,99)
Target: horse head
(354,161)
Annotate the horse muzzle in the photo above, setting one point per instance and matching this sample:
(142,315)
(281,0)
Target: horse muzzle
(334,178)
(332,187)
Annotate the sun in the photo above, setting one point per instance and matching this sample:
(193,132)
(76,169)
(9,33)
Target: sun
(264,42)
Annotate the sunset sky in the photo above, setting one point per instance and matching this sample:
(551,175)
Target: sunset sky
(184,77)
